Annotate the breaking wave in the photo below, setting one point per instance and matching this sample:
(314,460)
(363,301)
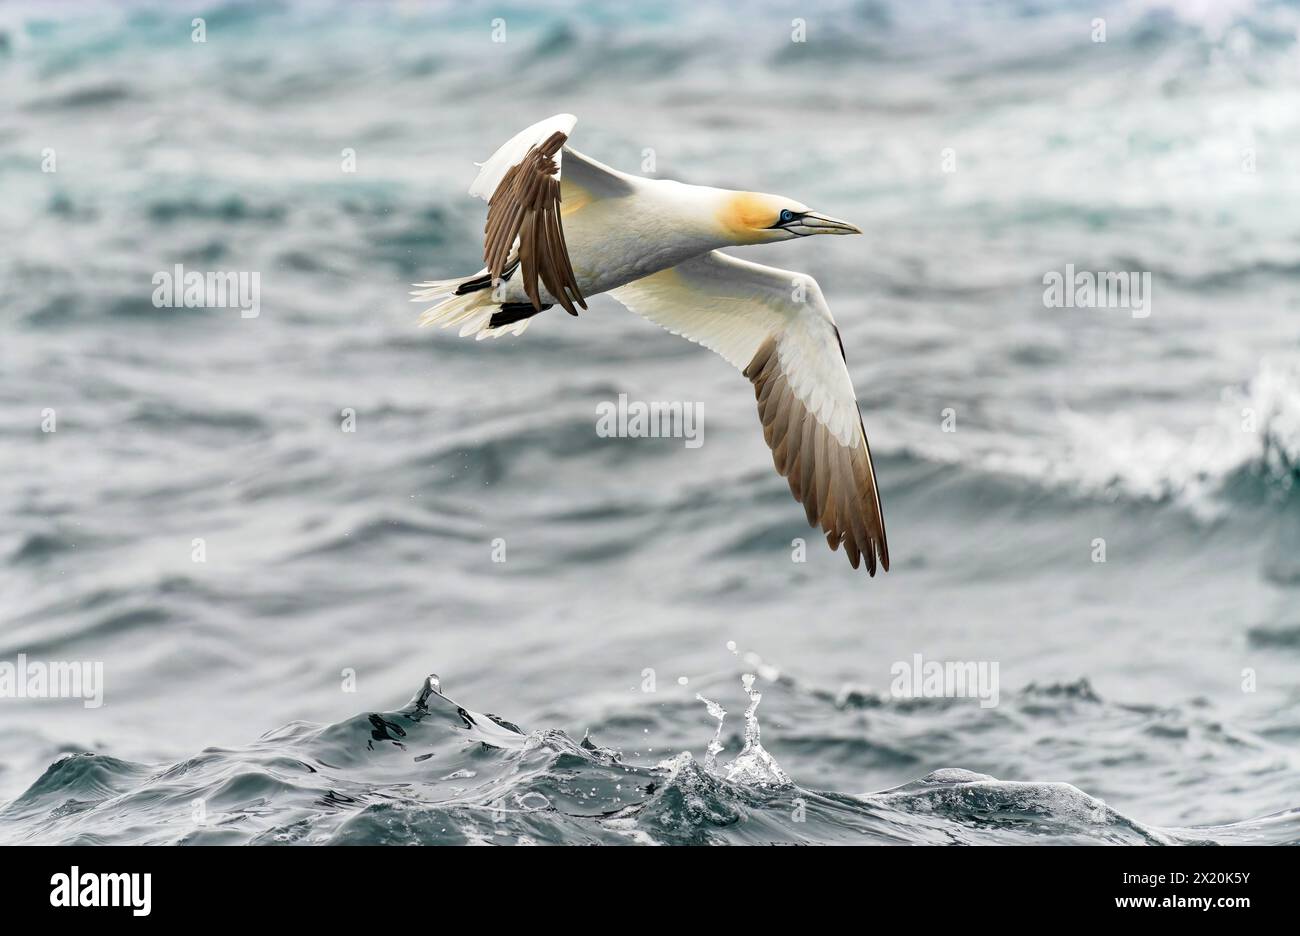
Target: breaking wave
(436,772)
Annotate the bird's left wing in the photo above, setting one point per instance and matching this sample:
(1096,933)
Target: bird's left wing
(775,326)
(524,187)
(521,182)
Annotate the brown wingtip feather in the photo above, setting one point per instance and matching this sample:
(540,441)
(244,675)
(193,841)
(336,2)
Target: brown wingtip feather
(526,205)
(836,484)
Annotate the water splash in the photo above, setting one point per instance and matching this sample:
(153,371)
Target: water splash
(715,746)
(446,774)
(753,766)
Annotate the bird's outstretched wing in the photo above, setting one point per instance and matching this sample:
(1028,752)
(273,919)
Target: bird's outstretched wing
(775,326)
(523,186)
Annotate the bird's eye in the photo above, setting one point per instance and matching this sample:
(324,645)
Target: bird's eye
(786,215)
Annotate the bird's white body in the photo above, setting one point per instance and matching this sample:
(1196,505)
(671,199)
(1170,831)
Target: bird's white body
(657,225)
(653,245)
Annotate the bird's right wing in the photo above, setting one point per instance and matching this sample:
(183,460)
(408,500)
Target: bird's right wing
(524,188)
(775,326)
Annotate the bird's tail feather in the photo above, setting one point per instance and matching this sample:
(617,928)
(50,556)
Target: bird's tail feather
(472,310)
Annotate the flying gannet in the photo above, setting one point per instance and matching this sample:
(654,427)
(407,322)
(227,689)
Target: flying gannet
(562,227)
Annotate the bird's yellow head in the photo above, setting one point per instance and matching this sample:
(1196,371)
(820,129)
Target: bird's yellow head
(758,218)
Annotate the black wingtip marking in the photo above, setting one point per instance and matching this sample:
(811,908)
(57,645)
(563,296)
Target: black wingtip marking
(484,281)
(512,312)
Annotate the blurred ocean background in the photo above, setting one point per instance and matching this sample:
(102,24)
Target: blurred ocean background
(261,695)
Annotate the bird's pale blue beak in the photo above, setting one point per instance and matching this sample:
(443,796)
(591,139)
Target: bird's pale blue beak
(810,222)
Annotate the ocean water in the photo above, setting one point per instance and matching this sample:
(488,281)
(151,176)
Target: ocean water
(261,695)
